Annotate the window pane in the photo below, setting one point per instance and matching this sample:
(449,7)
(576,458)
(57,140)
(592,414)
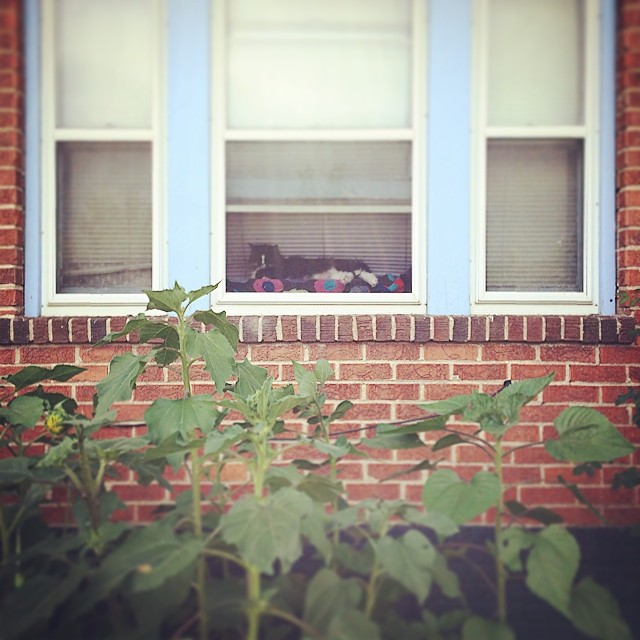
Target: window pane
(103,63)
(104,217)
(534,215)
(330,64)
(341,200)
(536,51)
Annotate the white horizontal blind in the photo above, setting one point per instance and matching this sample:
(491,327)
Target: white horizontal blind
(535,146)
(104,213)
(534,215)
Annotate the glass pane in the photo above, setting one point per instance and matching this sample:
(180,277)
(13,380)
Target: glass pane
(536,51)
(104,237)
(305,213)
(103,63)
(319,172)
(534,215)
(330,64)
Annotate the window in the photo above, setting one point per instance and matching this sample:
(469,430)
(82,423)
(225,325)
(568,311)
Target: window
(100,151)
(319,133)
(537,155)
(164,138)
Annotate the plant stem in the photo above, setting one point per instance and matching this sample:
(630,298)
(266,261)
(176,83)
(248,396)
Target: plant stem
(196,468)
(4,536)
(254,610)
(88,485)
(501,576)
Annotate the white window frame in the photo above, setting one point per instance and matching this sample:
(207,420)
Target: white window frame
(313,303)
(53,302)
(535,303)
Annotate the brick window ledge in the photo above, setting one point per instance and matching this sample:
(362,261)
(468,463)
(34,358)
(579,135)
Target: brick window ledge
(592,329)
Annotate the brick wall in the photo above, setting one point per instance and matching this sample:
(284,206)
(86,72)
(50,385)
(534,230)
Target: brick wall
(628,147)
(11,159)
(384,364)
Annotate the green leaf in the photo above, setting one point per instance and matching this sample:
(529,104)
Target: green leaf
(352,624)
(515,540)
(552,566)
(421,466)
(455,405)
(514,396)
(183,416)
(14,470)
(32,375)
(24,411)
(444,492)
(409,560)
(219,321)
(218,441)
(323,371)
(487,412)
(595,612)
(587,436)
(340,410)
(443,525)
(196,294)
(477,628)
(251,378)
(134,324)
(145,546)
(445,578)
(267,530)
(218,354)
(328,595)
(37,600)
(389,436)
(167,300)
(153,573)
(307,383)
(119,383)
(541,514)
(449,440)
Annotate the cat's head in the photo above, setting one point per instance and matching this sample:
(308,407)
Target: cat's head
(263,255)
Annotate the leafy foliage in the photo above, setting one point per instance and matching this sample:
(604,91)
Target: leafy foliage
(216,565)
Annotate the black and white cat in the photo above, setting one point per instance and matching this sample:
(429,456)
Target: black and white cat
(266,261)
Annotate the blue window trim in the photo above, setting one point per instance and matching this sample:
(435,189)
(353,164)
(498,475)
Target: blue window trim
(188,150)
(188,153)
(448,157)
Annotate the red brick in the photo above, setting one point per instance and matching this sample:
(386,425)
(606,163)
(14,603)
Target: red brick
(441,328)
(385,491)
(480,371)
(327,328)
(568,353)
(515,328)
(522,371)
(383,328)
(344,391)
(599,373)
(47,355)
(619,355)
(391,391)
(403,328)
(335,351)
(364,328)
(422,371)
(289,326)
(345,328)
(364,371)
(269,326)
(450,352)
(393,351)
(433,392)
(279,352)
(570,393)
(507,352)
